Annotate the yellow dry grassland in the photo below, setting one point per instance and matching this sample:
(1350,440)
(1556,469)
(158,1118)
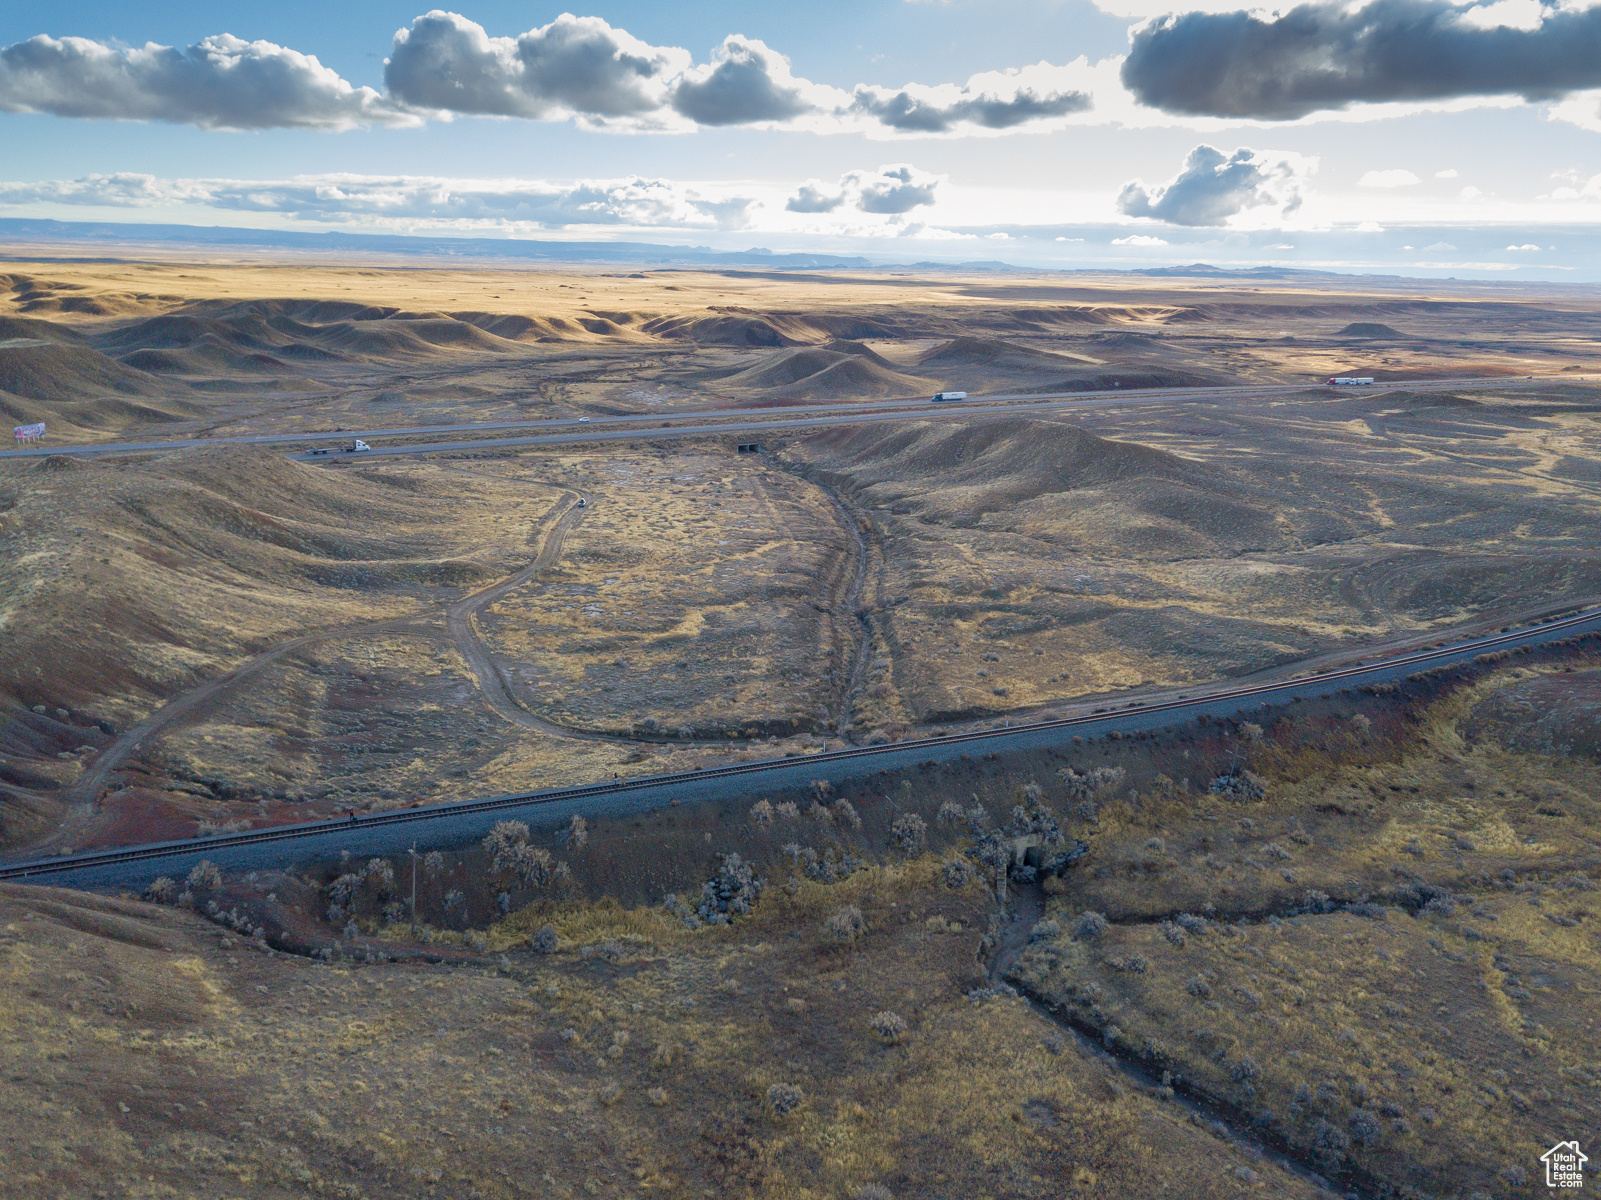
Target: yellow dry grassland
(699,591)
(1023,562)
(151,1056)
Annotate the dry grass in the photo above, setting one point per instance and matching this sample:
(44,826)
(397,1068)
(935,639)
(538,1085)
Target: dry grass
(150,1056)
(1026,562)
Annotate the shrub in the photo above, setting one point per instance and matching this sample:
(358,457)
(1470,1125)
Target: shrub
(908,833)
(1191,922)
(1173,933)
(545,940)
(1330,1143)
(787,809)
(1044,930)
(499,841)
(844,924)
(577,832)
(379,875)
(1245,1071)
(889,1026)
(820,814)
(161,891)
(872,1191)
(1251,731)
(433,862)
(784,1098)
(761,813)
(1198,986)
(1091,925)
(1365,1128)
(1087,785)
(509,852)
(847,813)
(959,871)
(204,876)
(344,888)
(351,931)
(950,814)
(1240,785)
(822,790)
(732,892)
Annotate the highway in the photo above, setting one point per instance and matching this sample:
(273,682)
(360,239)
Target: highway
(746,420)
(445,825)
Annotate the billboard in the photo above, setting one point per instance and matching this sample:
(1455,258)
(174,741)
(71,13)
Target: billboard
(26,433)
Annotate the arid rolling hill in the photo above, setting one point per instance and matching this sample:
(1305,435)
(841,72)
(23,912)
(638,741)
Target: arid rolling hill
(221,637)
(1024,561)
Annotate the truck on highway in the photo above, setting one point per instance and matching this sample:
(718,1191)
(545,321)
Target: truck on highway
(357,446)
(938,396)
(1350,380)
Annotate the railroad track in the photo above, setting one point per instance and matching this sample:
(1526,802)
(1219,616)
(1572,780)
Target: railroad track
(459,823)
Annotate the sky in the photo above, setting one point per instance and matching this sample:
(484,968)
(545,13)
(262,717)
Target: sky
(1404,137)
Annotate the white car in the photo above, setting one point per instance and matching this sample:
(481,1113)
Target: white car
(583,420)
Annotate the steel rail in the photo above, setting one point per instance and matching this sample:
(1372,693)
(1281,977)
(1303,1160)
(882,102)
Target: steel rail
(42,869)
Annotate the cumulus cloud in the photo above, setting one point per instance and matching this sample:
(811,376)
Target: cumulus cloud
(1139,239)
(889,191)
(1284,65)
(1388,179)
(748,83)
(222,82)
(400,199)
(991,100)
(582,68)
(1213,187)
(574,65)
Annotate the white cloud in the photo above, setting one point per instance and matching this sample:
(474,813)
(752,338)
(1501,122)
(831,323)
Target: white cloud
(1139,239)
(1368,227)
(891,190)
(1525,246)
(1448,173)
(748,83)
(396,200)
(993,100)
(222,82)
(1440,246)
(1212,188)
(581,66)
(1388,179)
(584,68)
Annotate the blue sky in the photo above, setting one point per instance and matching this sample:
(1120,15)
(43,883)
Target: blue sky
(1391,135)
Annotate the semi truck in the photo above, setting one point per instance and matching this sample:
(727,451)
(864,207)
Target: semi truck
(356,446)
(938,396)
(1349,380)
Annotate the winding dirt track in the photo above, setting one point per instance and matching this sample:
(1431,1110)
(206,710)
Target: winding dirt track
(458,623)
(86,791)
(463,631)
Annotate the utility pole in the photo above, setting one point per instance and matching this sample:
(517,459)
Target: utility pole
(413,853)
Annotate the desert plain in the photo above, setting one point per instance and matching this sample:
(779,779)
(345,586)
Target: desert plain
(1369,968)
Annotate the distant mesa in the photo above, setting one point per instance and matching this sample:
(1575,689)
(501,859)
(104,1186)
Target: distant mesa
(1369,329)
